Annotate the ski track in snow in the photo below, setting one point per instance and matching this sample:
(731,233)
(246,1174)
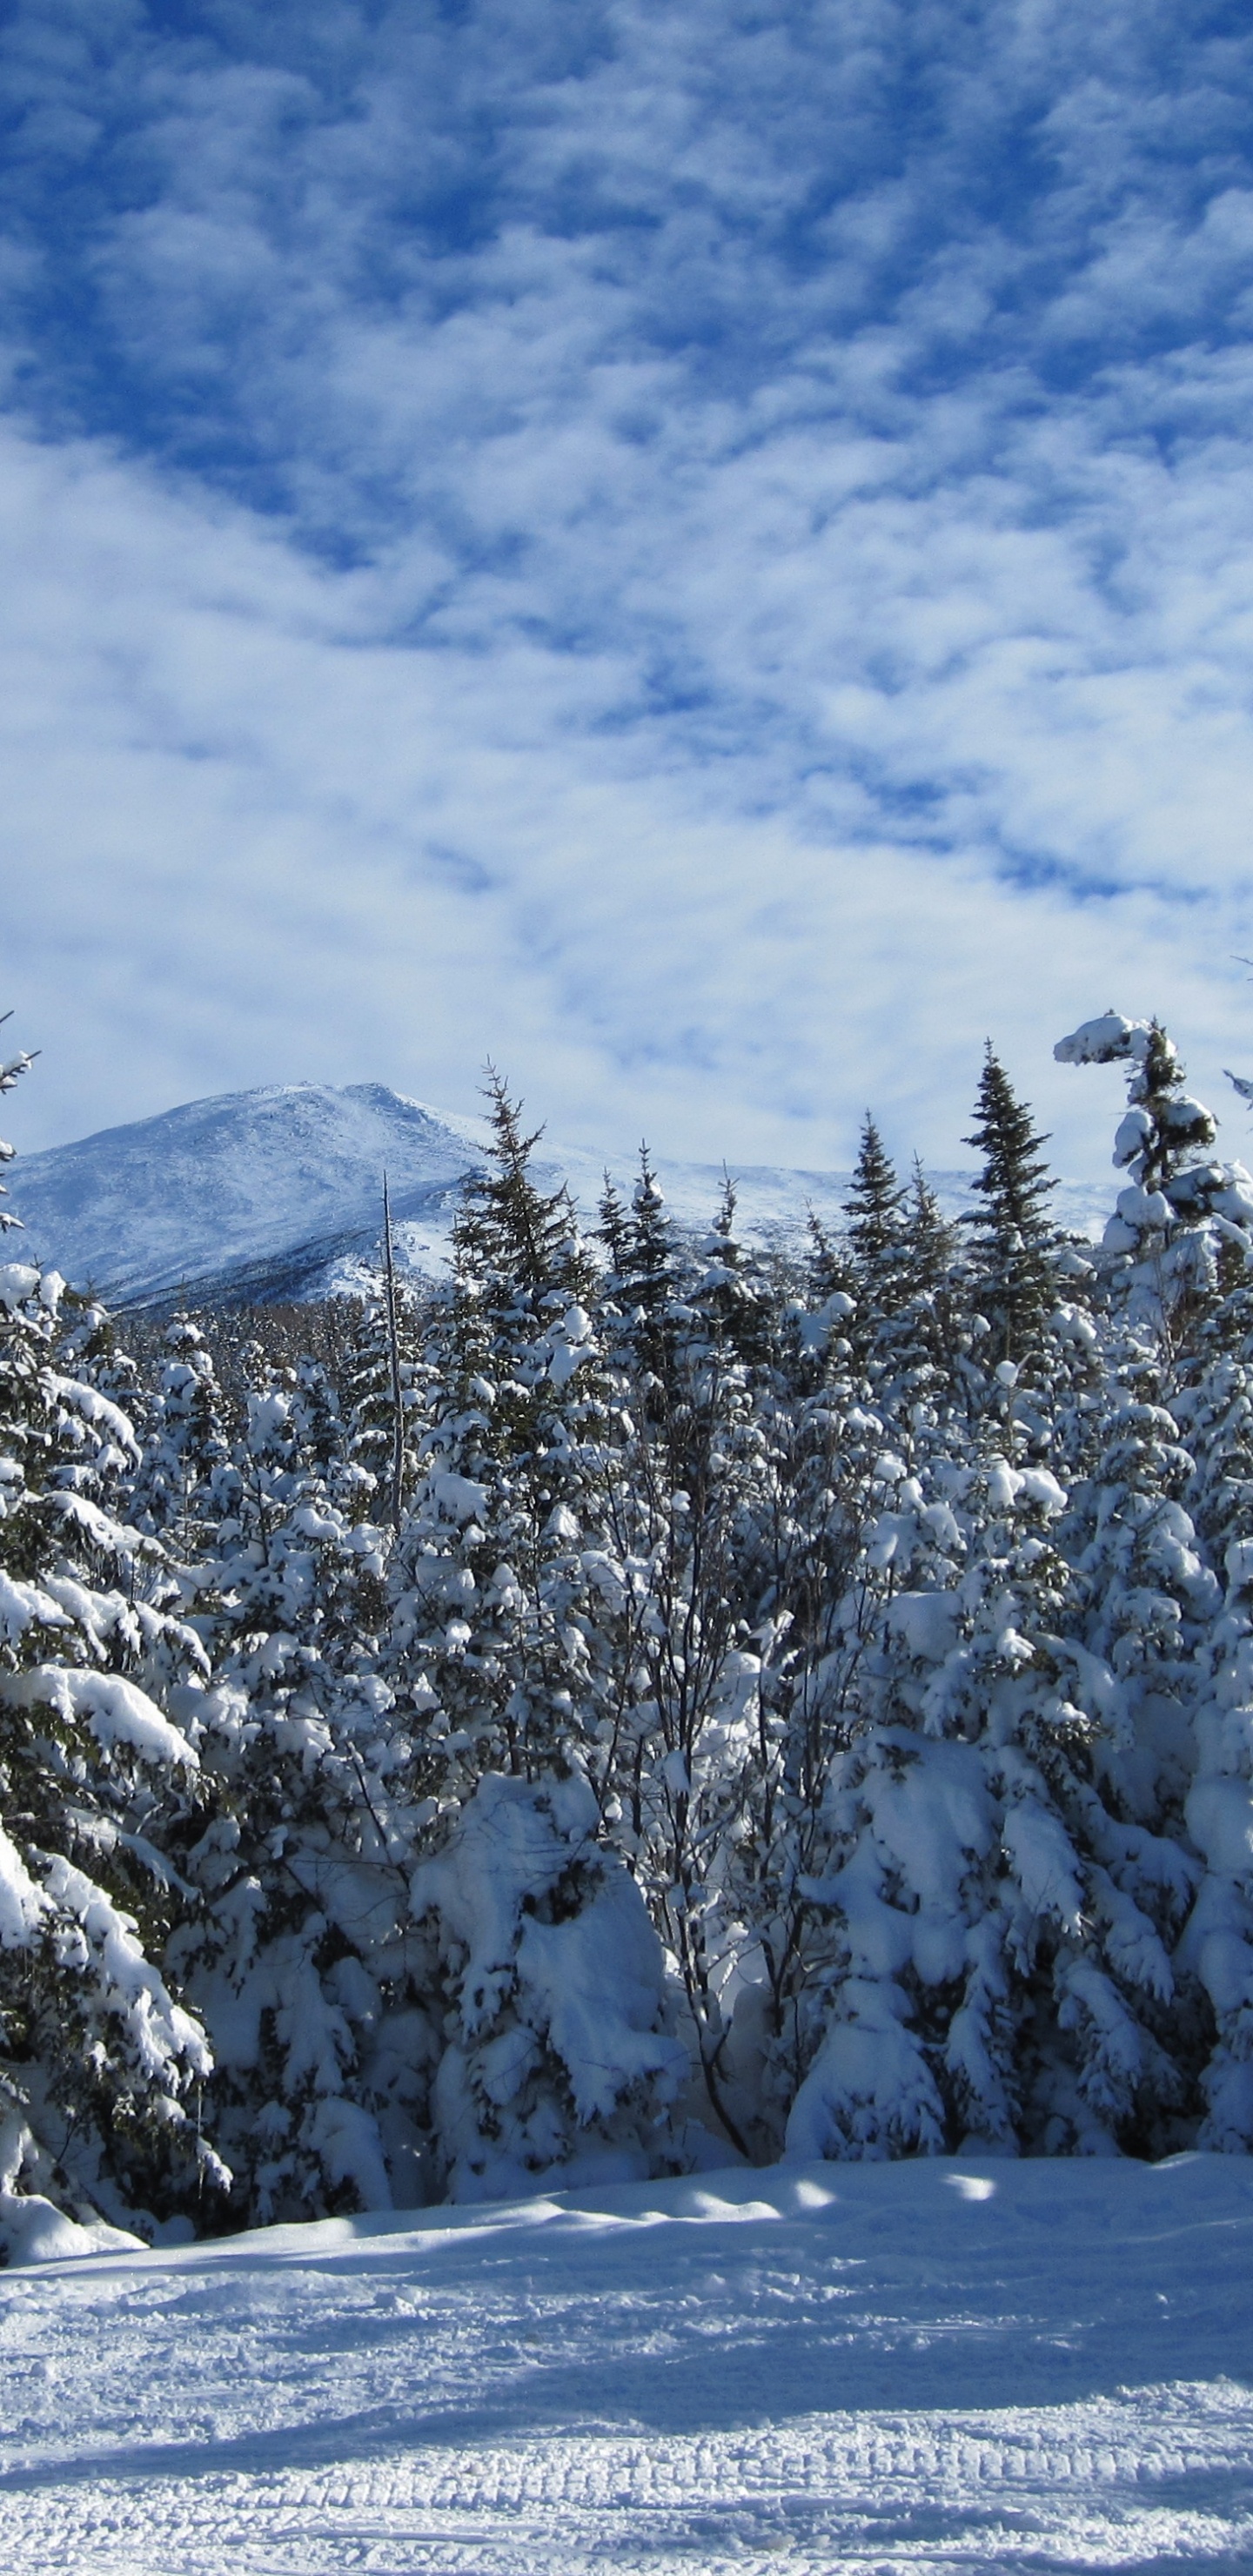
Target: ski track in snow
(926,2366)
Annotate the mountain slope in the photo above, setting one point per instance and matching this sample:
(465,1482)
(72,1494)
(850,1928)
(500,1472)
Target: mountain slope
(263,1188)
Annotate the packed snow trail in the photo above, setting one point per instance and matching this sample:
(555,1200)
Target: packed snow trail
(933,2365)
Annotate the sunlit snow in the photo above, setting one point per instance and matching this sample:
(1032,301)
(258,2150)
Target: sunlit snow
(938,2365)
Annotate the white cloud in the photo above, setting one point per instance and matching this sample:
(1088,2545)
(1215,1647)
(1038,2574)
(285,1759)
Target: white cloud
(706,557)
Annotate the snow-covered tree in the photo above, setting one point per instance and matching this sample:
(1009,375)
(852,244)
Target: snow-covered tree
(299,1956)
(489,1582)
(186,1441)
(877,1230)
(1000,1967)
(558,2067)
(101,2065)
(1163,1245)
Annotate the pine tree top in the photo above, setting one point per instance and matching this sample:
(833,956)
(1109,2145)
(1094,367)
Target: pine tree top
(1015,1181)
(509,1234)
(1013,1237)
(875,1202)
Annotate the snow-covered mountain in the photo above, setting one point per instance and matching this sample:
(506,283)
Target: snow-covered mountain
(277,1193)
(255,1192)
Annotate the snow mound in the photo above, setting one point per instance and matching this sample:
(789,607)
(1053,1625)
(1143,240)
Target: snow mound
(33,2231)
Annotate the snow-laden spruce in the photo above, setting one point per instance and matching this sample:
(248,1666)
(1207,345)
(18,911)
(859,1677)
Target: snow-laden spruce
(1180,1204)
(558,2069)
(101,2065)
(296,1950)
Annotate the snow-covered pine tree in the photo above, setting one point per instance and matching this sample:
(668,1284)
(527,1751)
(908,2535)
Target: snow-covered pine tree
(501,1631)
(877,1229)
(381,1364)
(1001,1932)
(929,1334)
(612,1229)
(558,2068)
(509,1234)
(874,1206)
(732,1296)
(185,1442)
(1163,1245)
(100,2064)
(302,1958)
(1184,1309)
(645,1289)
(489,1578)
(983,1830)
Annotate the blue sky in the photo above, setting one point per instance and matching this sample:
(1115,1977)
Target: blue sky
(704,551)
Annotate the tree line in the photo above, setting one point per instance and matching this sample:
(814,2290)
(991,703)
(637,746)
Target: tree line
(643,1703)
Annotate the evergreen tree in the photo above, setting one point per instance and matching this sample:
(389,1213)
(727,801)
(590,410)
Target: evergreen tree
(732,1300)
(1012,1238)
(490,1579)
(185,1441)
(647,1290)
(1182,1210)
(875,1203)
(558,2067)
(509,1235)
(876,1233)
(100,2063)
(934,1291)
(299,1956)
(1000,1963)
(613,1230)
(380,1367)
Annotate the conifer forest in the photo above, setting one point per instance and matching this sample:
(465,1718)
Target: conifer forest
(642,1705)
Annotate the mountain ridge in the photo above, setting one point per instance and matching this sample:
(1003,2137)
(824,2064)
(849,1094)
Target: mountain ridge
(275,1193)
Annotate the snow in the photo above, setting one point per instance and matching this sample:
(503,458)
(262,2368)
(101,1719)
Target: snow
(158,2029)
(117,1710)
(22,1904)
(38,2232)
(555,1957)
(242,1179)
(1104,1041)
(96,1409)
(23,1605)
(941,2365)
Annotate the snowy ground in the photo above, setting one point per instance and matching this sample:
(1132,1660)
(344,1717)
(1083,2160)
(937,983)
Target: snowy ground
(926,2366)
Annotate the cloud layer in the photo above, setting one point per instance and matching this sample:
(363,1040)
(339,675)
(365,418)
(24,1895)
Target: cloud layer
(704,551)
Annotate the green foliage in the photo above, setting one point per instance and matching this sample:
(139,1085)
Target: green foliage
(1012,1238)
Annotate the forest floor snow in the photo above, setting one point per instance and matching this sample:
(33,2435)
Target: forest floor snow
(941,2365)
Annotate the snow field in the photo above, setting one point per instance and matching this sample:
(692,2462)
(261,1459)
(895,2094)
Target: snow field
(927,2365)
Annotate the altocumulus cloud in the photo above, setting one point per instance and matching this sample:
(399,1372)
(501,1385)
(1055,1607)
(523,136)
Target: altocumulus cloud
(704,550)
